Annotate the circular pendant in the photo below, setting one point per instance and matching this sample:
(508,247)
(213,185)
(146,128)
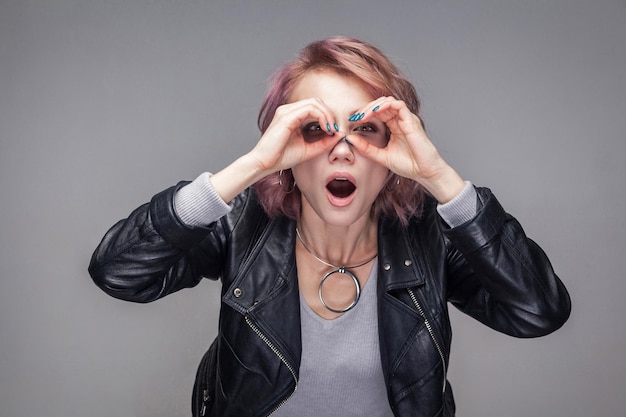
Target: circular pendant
(357,284)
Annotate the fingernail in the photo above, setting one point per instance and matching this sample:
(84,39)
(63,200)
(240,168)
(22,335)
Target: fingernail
(353,117)
(336,127)
(376,108)
(328,127)
(362,115)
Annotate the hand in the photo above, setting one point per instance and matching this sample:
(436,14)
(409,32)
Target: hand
(298,132)
(409,152)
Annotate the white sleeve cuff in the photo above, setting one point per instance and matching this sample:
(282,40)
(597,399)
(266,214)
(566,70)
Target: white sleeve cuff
(198,204)
(461,208)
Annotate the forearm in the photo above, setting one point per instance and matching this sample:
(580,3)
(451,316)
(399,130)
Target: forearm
(462,208)
(147,255)
(238,176)
(198,203)
(445,184)
(502,278)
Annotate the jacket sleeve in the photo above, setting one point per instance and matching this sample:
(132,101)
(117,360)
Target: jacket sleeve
(152,253)
(501,277)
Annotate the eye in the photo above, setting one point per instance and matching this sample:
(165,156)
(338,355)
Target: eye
(373,133)
(368,127)
(312,127)
(312,132)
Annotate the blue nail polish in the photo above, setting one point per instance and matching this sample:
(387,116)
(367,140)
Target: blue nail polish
(336,127)
(376,108)
(328,127)
(360,116)
(351,118)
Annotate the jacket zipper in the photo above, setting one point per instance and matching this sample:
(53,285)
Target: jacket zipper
(431,331)
(282,358)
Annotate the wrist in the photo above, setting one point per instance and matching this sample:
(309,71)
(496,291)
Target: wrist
(236,177)
(461,208)
(198,204)
(445,186)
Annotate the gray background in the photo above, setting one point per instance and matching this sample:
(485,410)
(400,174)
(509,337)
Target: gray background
(106,102)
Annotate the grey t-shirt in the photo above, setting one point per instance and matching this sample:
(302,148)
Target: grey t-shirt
(341,372)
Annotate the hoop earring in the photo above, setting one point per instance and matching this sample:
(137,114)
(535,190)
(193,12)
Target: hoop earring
(282,187)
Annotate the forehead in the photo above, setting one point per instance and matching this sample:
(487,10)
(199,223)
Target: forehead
(336,90)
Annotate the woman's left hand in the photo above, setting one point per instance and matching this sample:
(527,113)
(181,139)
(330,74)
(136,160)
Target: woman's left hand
(409,152)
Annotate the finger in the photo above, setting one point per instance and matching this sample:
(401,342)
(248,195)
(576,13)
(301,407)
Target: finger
(324,115)
(302,151)
(282,144)
(293,115)
(368,150)
(399,119)
(368,109)
(389,108)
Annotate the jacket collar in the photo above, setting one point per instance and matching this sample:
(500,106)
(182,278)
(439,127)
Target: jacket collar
(265,289)
(269,271)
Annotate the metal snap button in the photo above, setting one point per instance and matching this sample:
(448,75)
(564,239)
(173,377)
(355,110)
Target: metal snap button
(237,292)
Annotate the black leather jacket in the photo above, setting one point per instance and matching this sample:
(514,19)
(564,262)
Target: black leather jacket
(485,267)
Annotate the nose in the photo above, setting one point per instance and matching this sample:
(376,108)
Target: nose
(342,151)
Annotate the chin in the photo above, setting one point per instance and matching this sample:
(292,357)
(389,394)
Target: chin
(345,218)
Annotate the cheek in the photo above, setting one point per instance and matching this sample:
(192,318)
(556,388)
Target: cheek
(304,174)
(381,140)
(378,177)
(378,138)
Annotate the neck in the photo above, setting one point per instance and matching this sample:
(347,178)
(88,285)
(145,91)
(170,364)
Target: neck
(340,245)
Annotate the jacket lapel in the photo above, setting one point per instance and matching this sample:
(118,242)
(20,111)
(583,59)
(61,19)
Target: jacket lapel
(398,271)
(265,289)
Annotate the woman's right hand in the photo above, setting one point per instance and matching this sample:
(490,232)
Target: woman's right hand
(298,132)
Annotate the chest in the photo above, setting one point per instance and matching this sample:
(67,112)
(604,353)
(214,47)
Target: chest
(341,362)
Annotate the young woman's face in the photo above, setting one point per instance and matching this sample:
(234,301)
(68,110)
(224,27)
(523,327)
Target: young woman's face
(341,185)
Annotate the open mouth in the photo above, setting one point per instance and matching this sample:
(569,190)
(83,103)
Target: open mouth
(341,187)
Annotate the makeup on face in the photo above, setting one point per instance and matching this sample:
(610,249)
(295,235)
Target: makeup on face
(340,185)
(371,131)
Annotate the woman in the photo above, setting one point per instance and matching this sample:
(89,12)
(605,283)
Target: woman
(339,239)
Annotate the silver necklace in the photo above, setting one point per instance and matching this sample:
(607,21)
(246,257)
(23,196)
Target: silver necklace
(338,270)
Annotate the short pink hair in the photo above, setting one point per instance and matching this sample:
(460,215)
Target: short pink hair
(400,197)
